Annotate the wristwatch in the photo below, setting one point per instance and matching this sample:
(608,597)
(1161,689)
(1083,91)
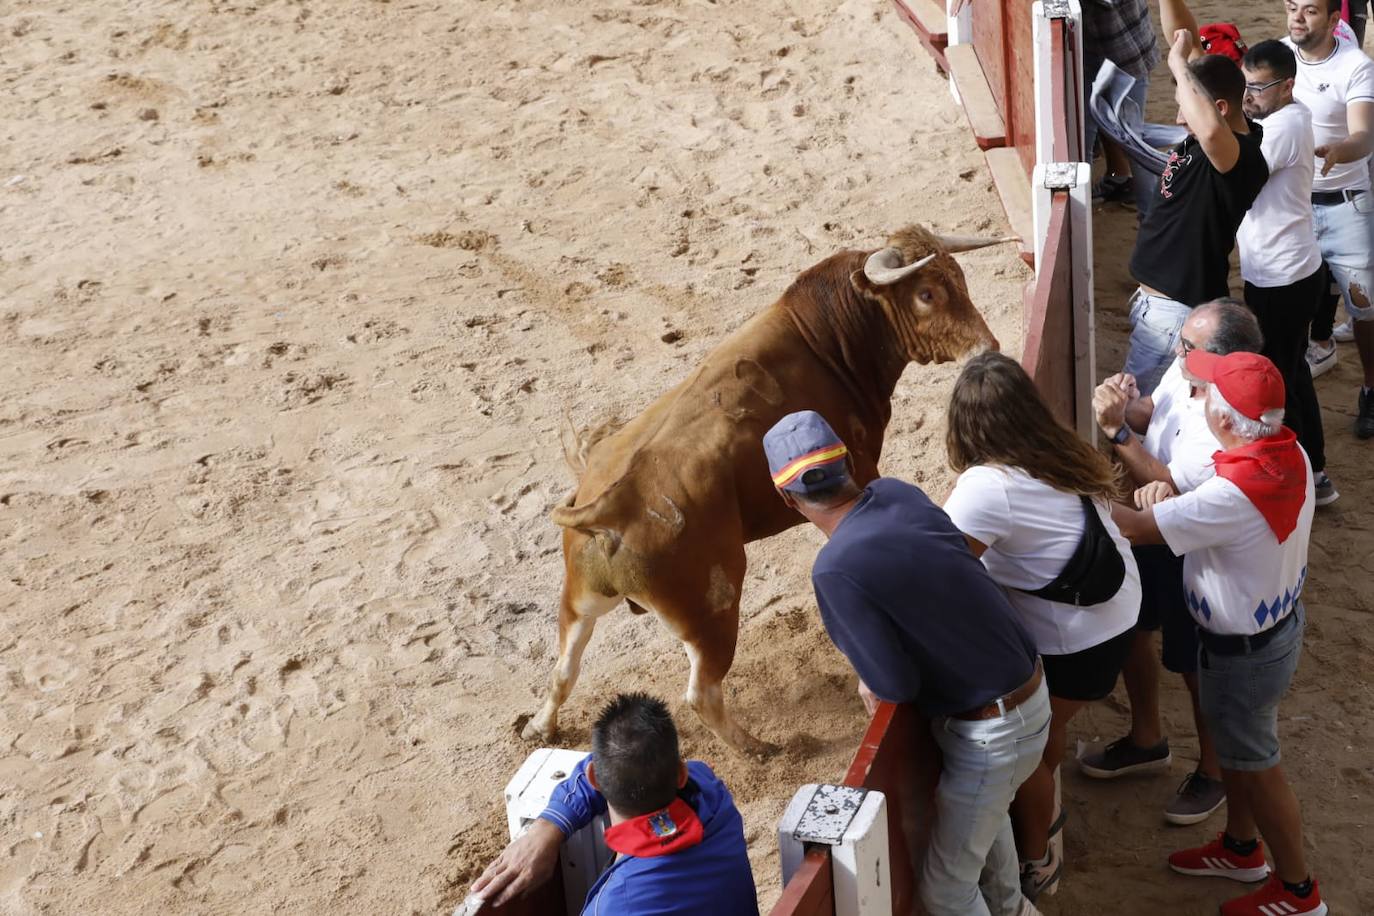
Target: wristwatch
(1122,435)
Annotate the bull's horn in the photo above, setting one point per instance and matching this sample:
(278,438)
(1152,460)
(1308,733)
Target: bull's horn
(884,266)
(956,243)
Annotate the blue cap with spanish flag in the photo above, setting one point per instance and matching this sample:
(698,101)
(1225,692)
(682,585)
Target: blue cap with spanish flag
(804,454)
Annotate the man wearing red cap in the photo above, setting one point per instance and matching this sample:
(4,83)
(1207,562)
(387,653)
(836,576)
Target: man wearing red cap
(1244,536)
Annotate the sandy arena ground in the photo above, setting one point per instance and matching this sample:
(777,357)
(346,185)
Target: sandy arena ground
(293,297)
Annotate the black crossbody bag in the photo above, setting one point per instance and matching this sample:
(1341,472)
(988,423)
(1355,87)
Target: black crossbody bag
(1095,571)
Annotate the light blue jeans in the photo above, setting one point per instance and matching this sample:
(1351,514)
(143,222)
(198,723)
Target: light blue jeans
(971,867)
(1155,325)
(1345,234)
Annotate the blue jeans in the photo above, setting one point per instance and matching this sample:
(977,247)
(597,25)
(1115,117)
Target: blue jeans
(1155,325)
(971,867)
(1345,234)
(1239,695)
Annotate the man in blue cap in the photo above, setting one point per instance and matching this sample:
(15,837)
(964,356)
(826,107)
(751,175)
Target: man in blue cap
(922,622)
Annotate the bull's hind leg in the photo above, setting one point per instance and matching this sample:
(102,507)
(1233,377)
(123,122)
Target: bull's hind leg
(707,622)
(711,655)
(577,614)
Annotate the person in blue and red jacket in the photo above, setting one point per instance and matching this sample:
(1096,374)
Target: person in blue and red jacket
(677,835)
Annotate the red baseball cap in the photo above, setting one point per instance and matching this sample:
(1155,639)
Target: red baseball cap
(1222,38)
(1249,382)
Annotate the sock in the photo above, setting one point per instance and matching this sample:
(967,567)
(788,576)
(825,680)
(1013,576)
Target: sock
(1299,890)
(1241,849)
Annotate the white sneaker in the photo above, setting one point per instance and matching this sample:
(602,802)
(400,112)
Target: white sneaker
(1320,359)
(1343,332)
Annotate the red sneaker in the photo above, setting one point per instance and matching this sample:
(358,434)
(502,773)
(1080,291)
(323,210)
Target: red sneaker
(1275,900)
(1216,860)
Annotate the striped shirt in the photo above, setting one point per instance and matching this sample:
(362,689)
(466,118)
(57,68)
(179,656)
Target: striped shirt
(1121,31)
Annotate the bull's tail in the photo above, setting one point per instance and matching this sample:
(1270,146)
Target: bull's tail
(577,444)
(579,517)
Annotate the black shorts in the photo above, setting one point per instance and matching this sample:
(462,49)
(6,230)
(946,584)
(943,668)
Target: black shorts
(1090,674)
(1162,606)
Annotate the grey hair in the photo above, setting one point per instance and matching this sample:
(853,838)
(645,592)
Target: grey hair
(1237,329)
(1240,424)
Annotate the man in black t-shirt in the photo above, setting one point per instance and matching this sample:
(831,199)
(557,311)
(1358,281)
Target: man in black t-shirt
(1182,251)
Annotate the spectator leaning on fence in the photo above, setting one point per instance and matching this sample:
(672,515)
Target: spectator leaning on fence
(1175,454)
(922,622)
(1182,250)
(678,836)
(1244,536)
(1032,500)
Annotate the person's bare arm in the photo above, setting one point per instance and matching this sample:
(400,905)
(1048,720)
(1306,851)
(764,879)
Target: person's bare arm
(1359,121)
(1137,525)
(1175,15)
(1143,467)
(1200,113)
(975,546)
(1139,412)
(523,865)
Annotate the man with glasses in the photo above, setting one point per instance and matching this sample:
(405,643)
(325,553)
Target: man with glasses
(1335,80)
(1175,456)
(1279,258)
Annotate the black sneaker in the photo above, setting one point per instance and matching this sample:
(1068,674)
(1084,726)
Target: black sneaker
(1113,189)
(1326,490)
(1122,757)
(1198,796)
(1364,422)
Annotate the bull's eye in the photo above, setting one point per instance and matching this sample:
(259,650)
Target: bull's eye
(927,296)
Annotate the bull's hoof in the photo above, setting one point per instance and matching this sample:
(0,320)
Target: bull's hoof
(533,730)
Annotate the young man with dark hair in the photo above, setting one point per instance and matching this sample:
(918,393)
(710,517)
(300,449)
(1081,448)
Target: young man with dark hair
(1335,81)
(1182,250)
(1280,260)
(678,837)
(922,622)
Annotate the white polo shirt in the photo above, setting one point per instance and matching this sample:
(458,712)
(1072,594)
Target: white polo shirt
(1326,87)
(1277,239)
(1032,530)
(1178,434)
(1237,577)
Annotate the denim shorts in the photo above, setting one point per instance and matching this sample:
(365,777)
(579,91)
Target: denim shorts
(1155,325)
(1239,695)
(1345,234)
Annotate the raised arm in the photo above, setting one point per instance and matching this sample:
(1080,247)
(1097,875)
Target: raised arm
(1200,111)
(1175,15)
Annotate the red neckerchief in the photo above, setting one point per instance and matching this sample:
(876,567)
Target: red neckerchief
(1270,473)
(659,833)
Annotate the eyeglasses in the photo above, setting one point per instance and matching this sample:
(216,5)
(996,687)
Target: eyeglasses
(1256,90)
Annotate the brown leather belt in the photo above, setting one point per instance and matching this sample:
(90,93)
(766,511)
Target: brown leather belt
(1005,704)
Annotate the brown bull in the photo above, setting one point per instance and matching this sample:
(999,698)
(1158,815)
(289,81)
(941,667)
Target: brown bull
(665,504)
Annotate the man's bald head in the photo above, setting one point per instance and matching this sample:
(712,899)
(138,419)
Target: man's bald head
(1223,326)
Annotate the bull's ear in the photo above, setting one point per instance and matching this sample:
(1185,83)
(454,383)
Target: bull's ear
(862,285)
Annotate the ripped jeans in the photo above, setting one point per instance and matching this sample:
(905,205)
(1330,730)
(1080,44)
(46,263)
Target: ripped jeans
(1345,234)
